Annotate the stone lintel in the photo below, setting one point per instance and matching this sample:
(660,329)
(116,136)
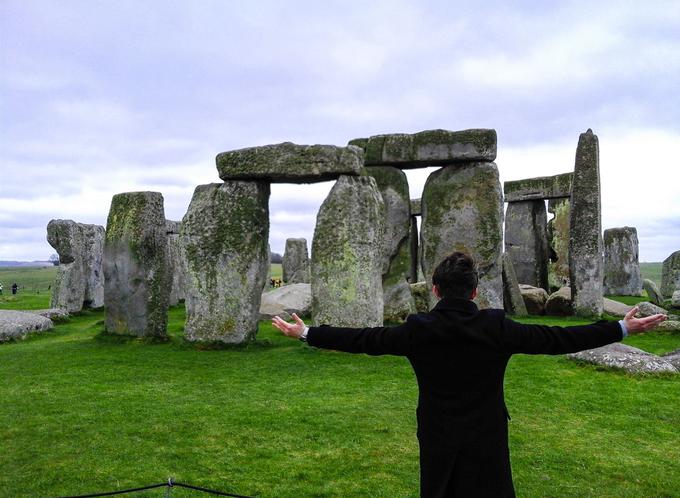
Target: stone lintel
(542,187)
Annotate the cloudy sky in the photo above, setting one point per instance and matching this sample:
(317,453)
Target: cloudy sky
(101,97)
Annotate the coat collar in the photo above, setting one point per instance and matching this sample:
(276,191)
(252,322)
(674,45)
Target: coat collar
(452,303)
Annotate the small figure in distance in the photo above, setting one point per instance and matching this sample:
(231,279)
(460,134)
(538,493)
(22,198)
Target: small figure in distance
(459,354)
(15,287)
(0,288)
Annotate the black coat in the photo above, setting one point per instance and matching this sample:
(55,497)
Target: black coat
(459,355)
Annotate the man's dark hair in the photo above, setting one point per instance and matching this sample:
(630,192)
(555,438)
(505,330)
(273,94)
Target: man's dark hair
(456,276)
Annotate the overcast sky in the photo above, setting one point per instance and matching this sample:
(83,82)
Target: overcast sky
(101,97)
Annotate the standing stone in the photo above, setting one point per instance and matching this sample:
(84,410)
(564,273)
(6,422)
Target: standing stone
(396,264)
(176,262)
(79,280)
(526,241)
(512,296)
(585,230)
(653,292)
(670,274)
(413,246)
(558,239)
(621,262)
(347,258)
(136,274)
(463,211)
(296,262)
(225,234)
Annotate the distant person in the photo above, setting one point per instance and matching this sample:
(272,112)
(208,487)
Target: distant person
(15,287)
(0,288)
(459,354)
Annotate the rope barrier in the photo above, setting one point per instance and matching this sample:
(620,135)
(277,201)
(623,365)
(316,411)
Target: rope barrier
(169,484)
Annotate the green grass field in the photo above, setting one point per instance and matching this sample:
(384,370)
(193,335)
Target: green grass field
(85,412)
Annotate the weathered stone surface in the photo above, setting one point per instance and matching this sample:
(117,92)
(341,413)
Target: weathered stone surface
(653,292)
(136,275)
(54,314)
(585,230)
(675,299)
(670,274)
(559,303)
(172,227)
(649,309)
(558,240)
(396,263)
(225,233)
(177,267)
(80,279)
(415,251)
(538,189)
(286,300)
(615,308)
(421,295)
(429,148)
(668,326)
(17,324)
(296,262)
(526,242)
(416,209)
(673,358)
(512,296)
(290,163)
(534,298)
(628,358)
(347,256)
(463,211)
(621,262)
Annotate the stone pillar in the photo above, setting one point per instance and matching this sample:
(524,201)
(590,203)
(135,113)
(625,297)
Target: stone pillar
(295,262)
(136,275)
(526,241)
(670,274)
(413,243)
(176,262)
(558,239)
(347,257)
(621,262)
(512,296)
(585,230)
(225,233)
(463,211)
(396,259)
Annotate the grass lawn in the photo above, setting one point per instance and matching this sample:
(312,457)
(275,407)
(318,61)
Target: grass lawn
(84,412)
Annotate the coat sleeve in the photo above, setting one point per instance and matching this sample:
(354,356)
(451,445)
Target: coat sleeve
(543,339)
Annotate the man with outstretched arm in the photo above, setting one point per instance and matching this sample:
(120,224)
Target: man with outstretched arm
(459,354)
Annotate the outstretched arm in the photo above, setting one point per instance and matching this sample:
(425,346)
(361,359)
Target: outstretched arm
(294,330)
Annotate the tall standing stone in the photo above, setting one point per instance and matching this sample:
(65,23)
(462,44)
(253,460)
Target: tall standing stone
(585,230)
(396,264)
(225,233)
(512,296)
(670,274)
(295,265)
(462,208)
(176,262)
(526,241)
(136,273)
(558,239)
(621,262)
(347,258)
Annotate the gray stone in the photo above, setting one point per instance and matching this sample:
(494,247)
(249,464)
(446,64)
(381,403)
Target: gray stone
(670,274)
(615,308)
(558,239)
(136,274)
(396,264)
(296,262)
(512,296)
(177,267)
(526,241)
(585,230)
(413,237)
(347,256)
(624,357)
(225,233)
(668,326)
(534,298)
(290,163)
(463,211)
(286,300)
(649,309)
(621,262)
(538,189)
(80,279)
(429,148)
(559,303)
(173,227)
(675,299)
(653,292)
(673,358)
(54,314)
(421,295)
(17,324)
(416,209)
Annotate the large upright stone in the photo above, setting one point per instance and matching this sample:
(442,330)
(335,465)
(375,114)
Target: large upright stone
(290,163)
(80,279)
(295,264)
(512,296)
(558,239)
(526,241)
(670,274)
(225,233)
(585,230)
(538,189)
(463,211)
(621,262)
(347,258)
(136,274)
(396,264)
(176,262)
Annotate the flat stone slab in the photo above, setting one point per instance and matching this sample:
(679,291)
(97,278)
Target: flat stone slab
(624,357)
(290,163)
(428,148)
(17,324)
(542,187)
(51,313)
(286,300)
(615,308)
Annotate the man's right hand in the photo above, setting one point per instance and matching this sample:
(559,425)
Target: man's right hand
(290,329)
(641,324)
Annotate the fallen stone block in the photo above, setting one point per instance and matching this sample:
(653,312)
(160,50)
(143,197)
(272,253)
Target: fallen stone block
(18,324)
(624,357)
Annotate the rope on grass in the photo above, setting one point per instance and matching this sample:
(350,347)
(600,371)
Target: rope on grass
(169,484)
